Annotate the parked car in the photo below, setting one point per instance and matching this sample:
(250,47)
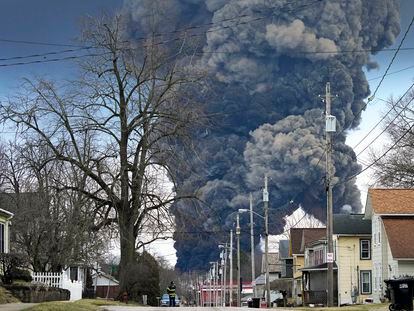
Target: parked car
(165,301)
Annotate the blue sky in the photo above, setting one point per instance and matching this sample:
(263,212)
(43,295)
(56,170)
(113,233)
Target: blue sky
(393,85)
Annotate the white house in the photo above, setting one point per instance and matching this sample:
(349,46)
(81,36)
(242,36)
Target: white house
(392,215)
(5,221)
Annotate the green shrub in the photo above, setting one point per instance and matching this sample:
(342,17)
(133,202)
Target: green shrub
(20,274)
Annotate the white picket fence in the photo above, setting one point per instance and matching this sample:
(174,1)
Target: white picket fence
(59,280)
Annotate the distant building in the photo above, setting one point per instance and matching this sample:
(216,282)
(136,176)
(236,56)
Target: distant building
(299,237)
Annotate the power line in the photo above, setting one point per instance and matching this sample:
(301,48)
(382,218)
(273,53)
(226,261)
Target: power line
(46,54)
(393,58)
(383,118)
(382,78)
(53,59)
(383,155)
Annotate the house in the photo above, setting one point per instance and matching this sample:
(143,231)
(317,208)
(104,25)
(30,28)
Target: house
(285,260)
(5,222)
(285,282)
(392,215)
(274,273)
(352,239)
(298,238)
(105,285)
(352,262)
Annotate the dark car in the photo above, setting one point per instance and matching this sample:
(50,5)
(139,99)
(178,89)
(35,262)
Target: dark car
(165,301)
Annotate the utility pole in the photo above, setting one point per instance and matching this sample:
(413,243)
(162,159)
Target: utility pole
(330,128)
(238,261)
(252,246)
(266,217)
(231,270)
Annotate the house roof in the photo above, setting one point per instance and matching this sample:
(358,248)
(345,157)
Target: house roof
(399,230)
(300,237)
(310,235)
(351,224)
(295,240)
(284,249)
(391,201)
(274,265)
(105,276)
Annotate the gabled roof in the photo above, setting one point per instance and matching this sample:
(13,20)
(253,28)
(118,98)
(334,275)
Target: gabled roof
(399,232)
(310,235)
(390,201)
(273,259)
(284,249)
(350,224)
(300,237)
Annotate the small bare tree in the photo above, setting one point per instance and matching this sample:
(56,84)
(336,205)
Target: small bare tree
(394,166)
(120,122)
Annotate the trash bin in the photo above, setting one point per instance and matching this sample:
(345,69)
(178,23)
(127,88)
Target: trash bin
(400,293)
(255,302)
(249,304)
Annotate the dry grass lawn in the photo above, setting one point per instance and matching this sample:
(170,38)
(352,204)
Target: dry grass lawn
(80,305)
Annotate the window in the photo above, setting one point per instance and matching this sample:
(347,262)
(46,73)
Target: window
(365,282)
(365,249)
(73,273)
(2,244)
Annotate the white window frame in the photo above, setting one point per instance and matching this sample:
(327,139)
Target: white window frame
(361,249)
(362,272)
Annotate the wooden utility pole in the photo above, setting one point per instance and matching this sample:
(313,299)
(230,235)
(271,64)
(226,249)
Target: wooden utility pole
(238,262)
(231,270)
(330,128)
(252,246)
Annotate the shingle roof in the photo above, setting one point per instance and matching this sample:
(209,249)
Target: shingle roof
(399,231)
(295,240)
(351,224)
(299,237)
(310,235)
(284,249)
(392,201)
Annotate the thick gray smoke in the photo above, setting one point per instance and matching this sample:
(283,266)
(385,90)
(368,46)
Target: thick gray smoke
(268,61)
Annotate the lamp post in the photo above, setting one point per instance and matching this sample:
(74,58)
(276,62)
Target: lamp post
(238,261)
(266,220)
(224,264)
(242,210)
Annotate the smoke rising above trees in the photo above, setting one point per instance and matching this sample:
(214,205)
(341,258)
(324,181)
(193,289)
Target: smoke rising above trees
(268,61)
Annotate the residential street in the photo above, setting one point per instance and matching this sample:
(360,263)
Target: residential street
(354,308)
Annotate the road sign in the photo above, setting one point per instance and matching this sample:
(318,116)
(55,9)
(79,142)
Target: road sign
(329,257)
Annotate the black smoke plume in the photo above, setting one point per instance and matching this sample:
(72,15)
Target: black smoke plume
(268,60)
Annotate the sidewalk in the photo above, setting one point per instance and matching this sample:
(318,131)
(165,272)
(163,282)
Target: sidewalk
(16,306)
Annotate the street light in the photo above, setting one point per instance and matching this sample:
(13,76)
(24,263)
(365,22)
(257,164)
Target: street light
(242,210)
(266,219)
(224,259)
(238,260)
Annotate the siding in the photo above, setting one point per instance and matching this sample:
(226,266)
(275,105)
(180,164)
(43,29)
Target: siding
(349,267)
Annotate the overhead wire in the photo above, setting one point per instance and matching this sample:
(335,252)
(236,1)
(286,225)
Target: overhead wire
(383,118)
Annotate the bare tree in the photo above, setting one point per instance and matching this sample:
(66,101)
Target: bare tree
(52,228)
(394,166)
(117,124)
